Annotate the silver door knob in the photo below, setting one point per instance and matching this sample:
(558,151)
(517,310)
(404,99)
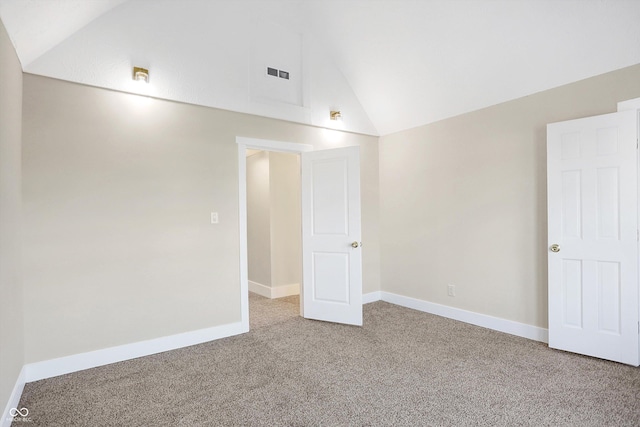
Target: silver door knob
(356,244)
(555,248)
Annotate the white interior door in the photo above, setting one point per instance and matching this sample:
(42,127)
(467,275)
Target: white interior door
(593,219)
(331,254)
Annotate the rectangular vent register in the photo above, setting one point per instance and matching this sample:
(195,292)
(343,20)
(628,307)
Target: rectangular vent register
(274,72)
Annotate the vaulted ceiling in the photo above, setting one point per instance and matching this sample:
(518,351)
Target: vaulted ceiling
(388,65)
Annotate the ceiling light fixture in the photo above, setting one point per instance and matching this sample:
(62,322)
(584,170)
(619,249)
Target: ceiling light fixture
(335,115)
(140,74)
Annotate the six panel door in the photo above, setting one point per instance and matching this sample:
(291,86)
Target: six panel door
(593,236)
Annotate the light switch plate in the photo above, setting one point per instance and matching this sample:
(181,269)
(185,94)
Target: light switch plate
(214,217)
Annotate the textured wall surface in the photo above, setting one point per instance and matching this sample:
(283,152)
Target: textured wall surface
(274,240)
(118,191)
(259,218)
(11,302)
(463,201)
(286,221)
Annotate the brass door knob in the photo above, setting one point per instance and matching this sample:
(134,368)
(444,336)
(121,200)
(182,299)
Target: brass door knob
(555,248)
(356,244)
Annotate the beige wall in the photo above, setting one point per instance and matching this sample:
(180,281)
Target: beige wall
(11,302)
(286,221)
(118,190)
(274,240)
(463,200)
(259,219)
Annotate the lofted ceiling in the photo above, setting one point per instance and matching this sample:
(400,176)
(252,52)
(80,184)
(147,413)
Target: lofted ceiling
(388,65)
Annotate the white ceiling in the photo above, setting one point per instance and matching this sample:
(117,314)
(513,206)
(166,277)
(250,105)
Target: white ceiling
(35,26)
(388,65)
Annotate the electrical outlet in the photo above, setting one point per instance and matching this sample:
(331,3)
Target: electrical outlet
(451,290)
(214,217)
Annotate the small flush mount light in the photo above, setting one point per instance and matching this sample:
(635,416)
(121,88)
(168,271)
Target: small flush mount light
(335,115)
(140,74)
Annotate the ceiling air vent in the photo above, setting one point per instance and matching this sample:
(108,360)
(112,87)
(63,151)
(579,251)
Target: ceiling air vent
(277,73)
(272,72)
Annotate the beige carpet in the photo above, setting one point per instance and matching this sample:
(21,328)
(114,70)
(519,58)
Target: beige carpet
(403,368)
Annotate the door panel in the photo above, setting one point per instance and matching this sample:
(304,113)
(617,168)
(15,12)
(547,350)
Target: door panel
(572,292)
(330,272)
(593,217)
(331,267)
(572,205)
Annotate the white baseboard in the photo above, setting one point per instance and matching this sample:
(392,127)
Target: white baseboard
(371,297)
(260,289)
(490,322)
(285,290)
(275,291)
(64,365)
(14,399)
(78,362)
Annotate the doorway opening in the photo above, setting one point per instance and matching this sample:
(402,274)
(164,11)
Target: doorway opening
(270,239)
(274,236)
(331,288)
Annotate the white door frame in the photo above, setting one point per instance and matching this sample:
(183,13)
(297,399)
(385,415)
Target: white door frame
(257,144)
(634,104)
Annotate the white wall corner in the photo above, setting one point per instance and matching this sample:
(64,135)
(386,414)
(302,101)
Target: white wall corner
(275,291)
(14,400)
(78,362)
(260,289)
(497,324)
(285,290)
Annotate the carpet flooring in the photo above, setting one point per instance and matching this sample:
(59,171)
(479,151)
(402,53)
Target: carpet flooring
(402,368)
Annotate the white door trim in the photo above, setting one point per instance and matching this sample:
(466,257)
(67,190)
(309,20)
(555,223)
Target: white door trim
(259,144)
(629,104)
